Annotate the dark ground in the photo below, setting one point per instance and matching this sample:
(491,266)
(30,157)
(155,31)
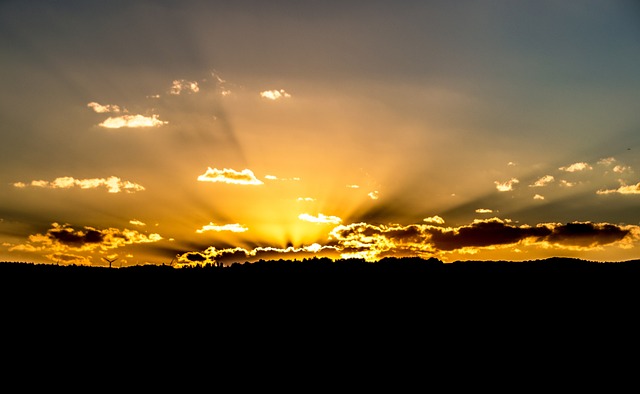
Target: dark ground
(319,291)
(326,276)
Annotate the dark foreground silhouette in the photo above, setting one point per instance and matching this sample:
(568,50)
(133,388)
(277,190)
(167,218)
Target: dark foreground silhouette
(347,267)
(401,274)
(399,291)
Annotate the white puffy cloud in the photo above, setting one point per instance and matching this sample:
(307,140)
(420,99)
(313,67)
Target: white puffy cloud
(507,185)
(607,161)
(99,108)
(132,121)
(620,169)
(226,175)
(434,219)
(566,183)
(319,219)
(274,94)
(235,227)
(624,189)
(576,167)
(543,181)
(182,85)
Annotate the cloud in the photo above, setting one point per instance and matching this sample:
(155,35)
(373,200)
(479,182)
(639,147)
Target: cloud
(624,189)
(218,78)
(484,210)
(353,186)
(373,242)
(274,94)
(576,167)
(434,219)
(64,238)
(103,108)
(275,178)
(607,161)
(545,180)
(620,169)
(137,222)
(113,184)
(321,219)
(216,256)
(182,85)
(244,177)
(221,83)
(482,233)
(132,121)
(235,227)
(538,197)
(566,183)
(374,195)
(506,186)
(589,235)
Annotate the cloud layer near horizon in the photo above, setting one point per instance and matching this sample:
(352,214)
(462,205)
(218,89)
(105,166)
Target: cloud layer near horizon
(374,242)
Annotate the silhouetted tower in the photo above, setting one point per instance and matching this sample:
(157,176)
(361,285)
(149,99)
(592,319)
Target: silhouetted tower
(110,261)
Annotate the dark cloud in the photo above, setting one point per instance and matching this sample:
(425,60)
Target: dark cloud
(483,234)
(587,234)
(195,257)
(496,232)
(71,237)
(379,241)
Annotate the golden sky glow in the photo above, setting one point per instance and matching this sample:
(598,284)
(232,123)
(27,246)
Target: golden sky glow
(214,132)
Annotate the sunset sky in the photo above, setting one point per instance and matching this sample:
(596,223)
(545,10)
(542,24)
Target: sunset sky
(187,132)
